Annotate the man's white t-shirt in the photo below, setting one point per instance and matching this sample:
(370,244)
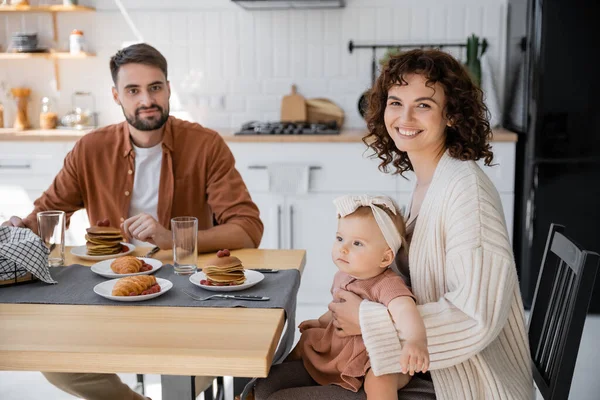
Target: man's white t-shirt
(144,196)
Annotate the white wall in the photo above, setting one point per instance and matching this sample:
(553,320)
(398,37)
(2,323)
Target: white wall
(228,65)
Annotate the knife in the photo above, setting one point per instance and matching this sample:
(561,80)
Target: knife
(265,270)
(242,297)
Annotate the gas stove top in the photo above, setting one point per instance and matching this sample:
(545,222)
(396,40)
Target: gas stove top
(288,128)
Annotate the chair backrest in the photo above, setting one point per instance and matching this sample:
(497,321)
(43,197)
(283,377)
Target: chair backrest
(557,316)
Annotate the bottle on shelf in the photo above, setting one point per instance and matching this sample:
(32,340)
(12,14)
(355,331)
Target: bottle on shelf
(76,42)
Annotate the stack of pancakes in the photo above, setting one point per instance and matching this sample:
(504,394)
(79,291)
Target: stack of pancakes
(103,240)
(224,271)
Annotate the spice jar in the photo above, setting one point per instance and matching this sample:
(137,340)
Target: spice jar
(76,42)
(48,118)
(1,115)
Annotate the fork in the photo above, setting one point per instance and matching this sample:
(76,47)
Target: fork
(248,297)
(154,250)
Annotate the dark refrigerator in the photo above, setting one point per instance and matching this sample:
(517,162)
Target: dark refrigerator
(553,103)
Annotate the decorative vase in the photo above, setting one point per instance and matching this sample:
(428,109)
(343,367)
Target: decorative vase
(22,97)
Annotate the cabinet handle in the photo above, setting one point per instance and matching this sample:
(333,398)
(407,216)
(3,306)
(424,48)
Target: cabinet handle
(312,167)
(291,226)
(278,226)
(15,166)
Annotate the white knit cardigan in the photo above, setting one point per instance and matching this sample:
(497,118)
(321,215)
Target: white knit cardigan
(463,275)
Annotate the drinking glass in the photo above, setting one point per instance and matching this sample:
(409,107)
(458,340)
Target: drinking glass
(51,229)
(185,244)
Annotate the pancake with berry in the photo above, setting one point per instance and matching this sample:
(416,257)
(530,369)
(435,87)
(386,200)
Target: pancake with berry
(224,270)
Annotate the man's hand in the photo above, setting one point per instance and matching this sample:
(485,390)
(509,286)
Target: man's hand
(145,228)
(414,357)
(309,324)
(14,221)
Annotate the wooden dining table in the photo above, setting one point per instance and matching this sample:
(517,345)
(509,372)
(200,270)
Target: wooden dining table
(183,341)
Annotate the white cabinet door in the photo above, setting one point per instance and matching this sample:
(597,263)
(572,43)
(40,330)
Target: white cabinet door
(271,215)
(312,224)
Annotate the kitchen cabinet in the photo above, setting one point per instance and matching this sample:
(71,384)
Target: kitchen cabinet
(26,170)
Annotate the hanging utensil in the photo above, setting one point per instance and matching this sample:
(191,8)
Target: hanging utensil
(363,100)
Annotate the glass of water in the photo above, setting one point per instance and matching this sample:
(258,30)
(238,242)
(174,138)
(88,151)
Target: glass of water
(185,244)
(51,228)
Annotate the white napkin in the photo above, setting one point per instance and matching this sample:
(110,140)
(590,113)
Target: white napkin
(489,90)
(289,178)
(23,251)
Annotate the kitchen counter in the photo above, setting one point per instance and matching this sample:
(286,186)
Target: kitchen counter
(346,136)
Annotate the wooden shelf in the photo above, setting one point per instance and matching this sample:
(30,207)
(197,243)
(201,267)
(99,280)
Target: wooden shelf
(48,8)
(41,135)
(52,55)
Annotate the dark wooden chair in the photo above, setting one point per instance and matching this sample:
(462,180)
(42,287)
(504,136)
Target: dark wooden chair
(558,312)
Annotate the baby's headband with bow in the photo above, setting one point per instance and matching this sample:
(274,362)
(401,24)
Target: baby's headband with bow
(346,205)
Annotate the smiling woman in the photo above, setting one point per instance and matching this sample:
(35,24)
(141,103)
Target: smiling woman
(427,96)
(426,115)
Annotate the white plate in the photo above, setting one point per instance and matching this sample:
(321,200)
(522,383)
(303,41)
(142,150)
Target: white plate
(81,252)
(105,288)
(252,278)
(103,268)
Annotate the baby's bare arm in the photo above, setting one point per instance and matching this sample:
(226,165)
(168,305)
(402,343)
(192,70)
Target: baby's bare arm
(408,321)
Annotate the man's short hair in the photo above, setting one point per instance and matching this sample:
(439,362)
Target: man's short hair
(140,53)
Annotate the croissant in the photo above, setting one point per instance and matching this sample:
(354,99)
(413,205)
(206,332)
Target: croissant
(133,285)
(126,265)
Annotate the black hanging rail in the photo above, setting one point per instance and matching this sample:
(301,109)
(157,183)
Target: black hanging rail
(374,47)
(352,46)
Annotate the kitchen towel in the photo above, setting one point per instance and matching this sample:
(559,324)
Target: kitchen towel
(22,251)
(489,92)
(289,178)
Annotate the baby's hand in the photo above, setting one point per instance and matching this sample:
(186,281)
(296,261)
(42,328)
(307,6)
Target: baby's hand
(309,324)
(414,357)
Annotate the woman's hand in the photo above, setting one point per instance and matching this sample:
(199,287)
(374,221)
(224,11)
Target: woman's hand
(345,308)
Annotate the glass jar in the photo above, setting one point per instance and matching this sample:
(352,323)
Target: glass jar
(1,115)
(48,118)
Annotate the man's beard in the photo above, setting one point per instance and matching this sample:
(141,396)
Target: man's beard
(147,124)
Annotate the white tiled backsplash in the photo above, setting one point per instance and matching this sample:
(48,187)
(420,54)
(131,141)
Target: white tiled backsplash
(228,65)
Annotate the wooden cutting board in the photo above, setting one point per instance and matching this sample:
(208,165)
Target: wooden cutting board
(293,107)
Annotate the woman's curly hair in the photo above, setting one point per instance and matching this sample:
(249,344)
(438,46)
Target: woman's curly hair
(467,138)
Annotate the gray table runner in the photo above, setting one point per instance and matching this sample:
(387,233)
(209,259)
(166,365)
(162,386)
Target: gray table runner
(76,286)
